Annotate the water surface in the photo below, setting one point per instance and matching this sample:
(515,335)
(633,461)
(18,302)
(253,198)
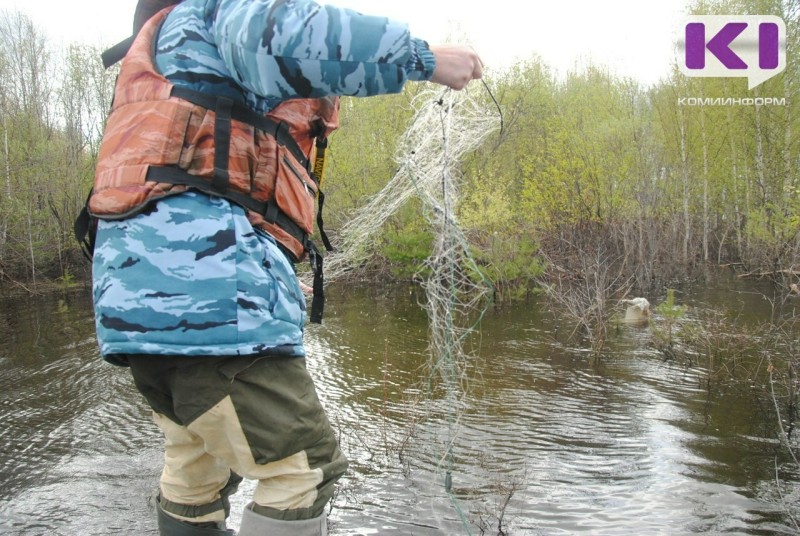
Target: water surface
(544,438)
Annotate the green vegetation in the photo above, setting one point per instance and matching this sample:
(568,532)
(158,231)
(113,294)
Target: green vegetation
(661,188)
(52,112)
(664,333)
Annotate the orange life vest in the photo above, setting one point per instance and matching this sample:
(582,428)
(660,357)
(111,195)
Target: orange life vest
(161,139)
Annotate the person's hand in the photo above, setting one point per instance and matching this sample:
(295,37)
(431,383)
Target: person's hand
(456,65)
(308,291)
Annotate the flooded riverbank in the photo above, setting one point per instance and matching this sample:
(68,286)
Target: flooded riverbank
(551,440)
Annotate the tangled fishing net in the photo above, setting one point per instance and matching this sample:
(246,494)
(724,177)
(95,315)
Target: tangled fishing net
(446,126)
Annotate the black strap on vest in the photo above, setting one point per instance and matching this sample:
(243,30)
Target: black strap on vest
(85,229)
(117,52)
(317,175)
(318,291)
(320,224)
(145,10)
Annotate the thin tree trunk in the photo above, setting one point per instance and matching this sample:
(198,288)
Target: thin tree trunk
(685,171)
(790,175)
(4,230)
(762,176)
(8,158)
(737,206)
(705,183)
(31,249)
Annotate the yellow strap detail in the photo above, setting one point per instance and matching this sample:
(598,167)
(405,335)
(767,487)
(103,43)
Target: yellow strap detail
(319,162)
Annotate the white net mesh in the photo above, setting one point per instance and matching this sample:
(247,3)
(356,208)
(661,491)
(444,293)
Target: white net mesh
(446,126)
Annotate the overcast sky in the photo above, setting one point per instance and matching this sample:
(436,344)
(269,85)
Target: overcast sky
(632,38)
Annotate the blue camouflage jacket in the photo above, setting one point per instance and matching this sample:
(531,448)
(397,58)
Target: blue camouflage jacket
(190,275)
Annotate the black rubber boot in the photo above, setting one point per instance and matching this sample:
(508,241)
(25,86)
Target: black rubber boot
(169,526)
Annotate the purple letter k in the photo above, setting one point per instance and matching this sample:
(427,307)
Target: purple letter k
(719,45)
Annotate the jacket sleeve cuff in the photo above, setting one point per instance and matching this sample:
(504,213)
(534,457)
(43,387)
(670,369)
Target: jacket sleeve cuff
(422,61)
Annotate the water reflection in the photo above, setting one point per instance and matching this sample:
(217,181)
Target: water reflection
(548,440)
(77,451)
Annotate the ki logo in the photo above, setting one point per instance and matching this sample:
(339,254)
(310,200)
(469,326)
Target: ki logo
(751,46)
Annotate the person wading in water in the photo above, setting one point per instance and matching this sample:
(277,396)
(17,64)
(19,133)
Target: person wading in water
(204,199)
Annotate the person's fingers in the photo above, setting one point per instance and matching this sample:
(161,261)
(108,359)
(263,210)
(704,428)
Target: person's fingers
(308,291)
(478,72)
(456,66)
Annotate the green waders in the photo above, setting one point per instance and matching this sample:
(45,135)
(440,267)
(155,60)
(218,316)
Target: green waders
(258,417)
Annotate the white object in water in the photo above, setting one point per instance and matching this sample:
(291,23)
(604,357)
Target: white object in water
(638,310)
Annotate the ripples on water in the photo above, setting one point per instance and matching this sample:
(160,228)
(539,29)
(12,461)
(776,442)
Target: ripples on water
(628,445)
(78,454)
(618,447)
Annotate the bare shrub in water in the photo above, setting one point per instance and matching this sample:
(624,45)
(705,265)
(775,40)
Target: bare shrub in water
(492,516)
(666,333)
(584,270)
(759,362)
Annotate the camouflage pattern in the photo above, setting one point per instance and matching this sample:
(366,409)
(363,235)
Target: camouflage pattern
(279,49)
(191,275)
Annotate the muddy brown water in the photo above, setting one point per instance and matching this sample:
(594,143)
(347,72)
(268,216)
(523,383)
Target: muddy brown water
(548,440)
